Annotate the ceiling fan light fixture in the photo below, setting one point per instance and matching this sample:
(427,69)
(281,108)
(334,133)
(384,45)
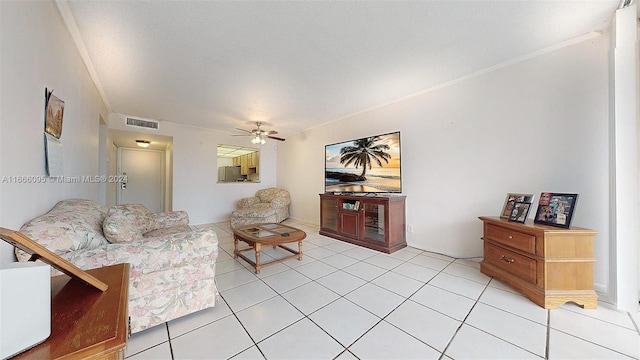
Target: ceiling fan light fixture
(143,143)
(258,139)
(259,136)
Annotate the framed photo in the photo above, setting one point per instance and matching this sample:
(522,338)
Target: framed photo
(556,209)
(54,112)
(511,200)
(519,212)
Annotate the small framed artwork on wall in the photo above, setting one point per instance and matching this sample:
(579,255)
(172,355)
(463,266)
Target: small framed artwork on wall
(53,114)
(520,212)
(556,209)
(511,200)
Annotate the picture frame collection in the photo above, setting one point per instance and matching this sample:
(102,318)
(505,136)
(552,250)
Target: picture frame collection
(554,209)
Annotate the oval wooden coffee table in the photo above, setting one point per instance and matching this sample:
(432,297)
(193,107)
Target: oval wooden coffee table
(258,235)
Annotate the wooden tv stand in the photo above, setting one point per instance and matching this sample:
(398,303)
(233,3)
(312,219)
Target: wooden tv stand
(550,265)
(376,222)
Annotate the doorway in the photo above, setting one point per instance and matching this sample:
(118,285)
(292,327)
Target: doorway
(142,175)
(149,186)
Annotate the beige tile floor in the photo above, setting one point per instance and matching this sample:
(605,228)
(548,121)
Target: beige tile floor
(347,302)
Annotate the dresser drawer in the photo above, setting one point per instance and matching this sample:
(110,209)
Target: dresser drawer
(512,263)
(514,239)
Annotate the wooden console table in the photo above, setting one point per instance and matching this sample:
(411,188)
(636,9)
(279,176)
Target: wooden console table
(87,323)
(550,265)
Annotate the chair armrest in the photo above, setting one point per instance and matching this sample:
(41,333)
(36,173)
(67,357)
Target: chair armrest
(280,202)
(247,202)
(171,218)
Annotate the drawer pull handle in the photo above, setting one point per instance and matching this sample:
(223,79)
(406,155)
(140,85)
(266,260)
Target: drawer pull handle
(510,237)
(505,259)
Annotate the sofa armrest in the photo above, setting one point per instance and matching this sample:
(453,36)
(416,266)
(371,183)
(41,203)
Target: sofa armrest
(248,202)
(170,219)
(280,202)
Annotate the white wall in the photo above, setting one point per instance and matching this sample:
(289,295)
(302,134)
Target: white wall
(538,125)
(195,171)
(38,52)
(624,194)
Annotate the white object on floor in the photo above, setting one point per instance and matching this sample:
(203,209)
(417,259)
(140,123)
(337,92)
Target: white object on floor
(25,306)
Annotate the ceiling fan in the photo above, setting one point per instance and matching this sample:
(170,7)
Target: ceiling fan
(259,135)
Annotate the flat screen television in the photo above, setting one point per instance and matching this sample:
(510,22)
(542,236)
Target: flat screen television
(366,165)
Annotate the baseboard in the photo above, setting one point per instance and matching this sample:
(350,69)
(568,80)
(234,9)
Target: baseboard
(603,293)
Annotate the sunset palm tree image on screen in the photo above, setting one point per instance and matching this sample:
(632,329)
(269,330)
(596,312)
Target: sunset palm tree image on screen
(370,164)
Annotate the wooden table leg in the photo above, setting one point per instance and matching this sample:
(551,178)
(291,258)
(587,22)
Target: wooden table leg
(300,250)
(257,247)
(235,247)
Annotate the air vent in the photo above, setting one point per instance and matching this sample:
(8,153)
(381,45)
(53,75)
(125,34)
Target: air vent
(149,124)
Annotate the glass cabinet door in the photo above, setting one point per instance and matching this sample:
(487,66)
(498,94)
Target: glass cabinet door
(329,215)
(374,221)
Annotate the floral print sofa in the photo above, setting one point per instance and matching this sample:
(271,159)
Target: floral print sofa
(268,206)
(172,265)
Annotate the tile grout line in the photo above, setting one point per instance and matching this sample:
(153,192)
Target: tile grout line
(634,322)
(402,303)
(246,331)
(488,333)
(593,343)
(170,344)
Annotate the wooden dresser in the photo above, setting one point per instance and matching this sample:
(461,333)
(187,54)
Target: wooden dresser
(550,265)
(87,323)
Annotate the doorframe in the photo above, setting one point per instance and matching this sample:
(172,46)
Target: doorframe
(163,187)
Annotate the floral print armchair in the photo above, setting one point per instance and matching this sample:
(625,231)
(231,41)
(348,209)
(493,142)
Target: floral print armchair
(172,265)
(267,206)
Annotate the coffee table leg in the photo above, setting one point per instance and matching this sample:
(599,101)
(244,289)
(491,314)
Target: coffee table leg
(235,247)
(257,248)
(300,250)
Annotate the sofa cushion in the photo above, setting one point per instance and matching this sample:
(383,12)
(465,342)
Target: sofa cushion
(126,223)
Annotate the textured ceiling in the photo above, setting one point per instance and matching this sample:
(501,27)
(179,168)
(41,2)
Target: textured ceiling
(297,64)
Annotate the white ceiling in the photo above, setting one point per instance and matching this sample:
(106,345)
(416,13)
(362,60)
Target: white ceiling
(296,64)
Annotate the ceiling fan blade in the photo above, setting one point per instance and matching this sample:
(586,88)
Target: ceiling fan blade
(241,135)
(244,130)
(272,132)
(275,138)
